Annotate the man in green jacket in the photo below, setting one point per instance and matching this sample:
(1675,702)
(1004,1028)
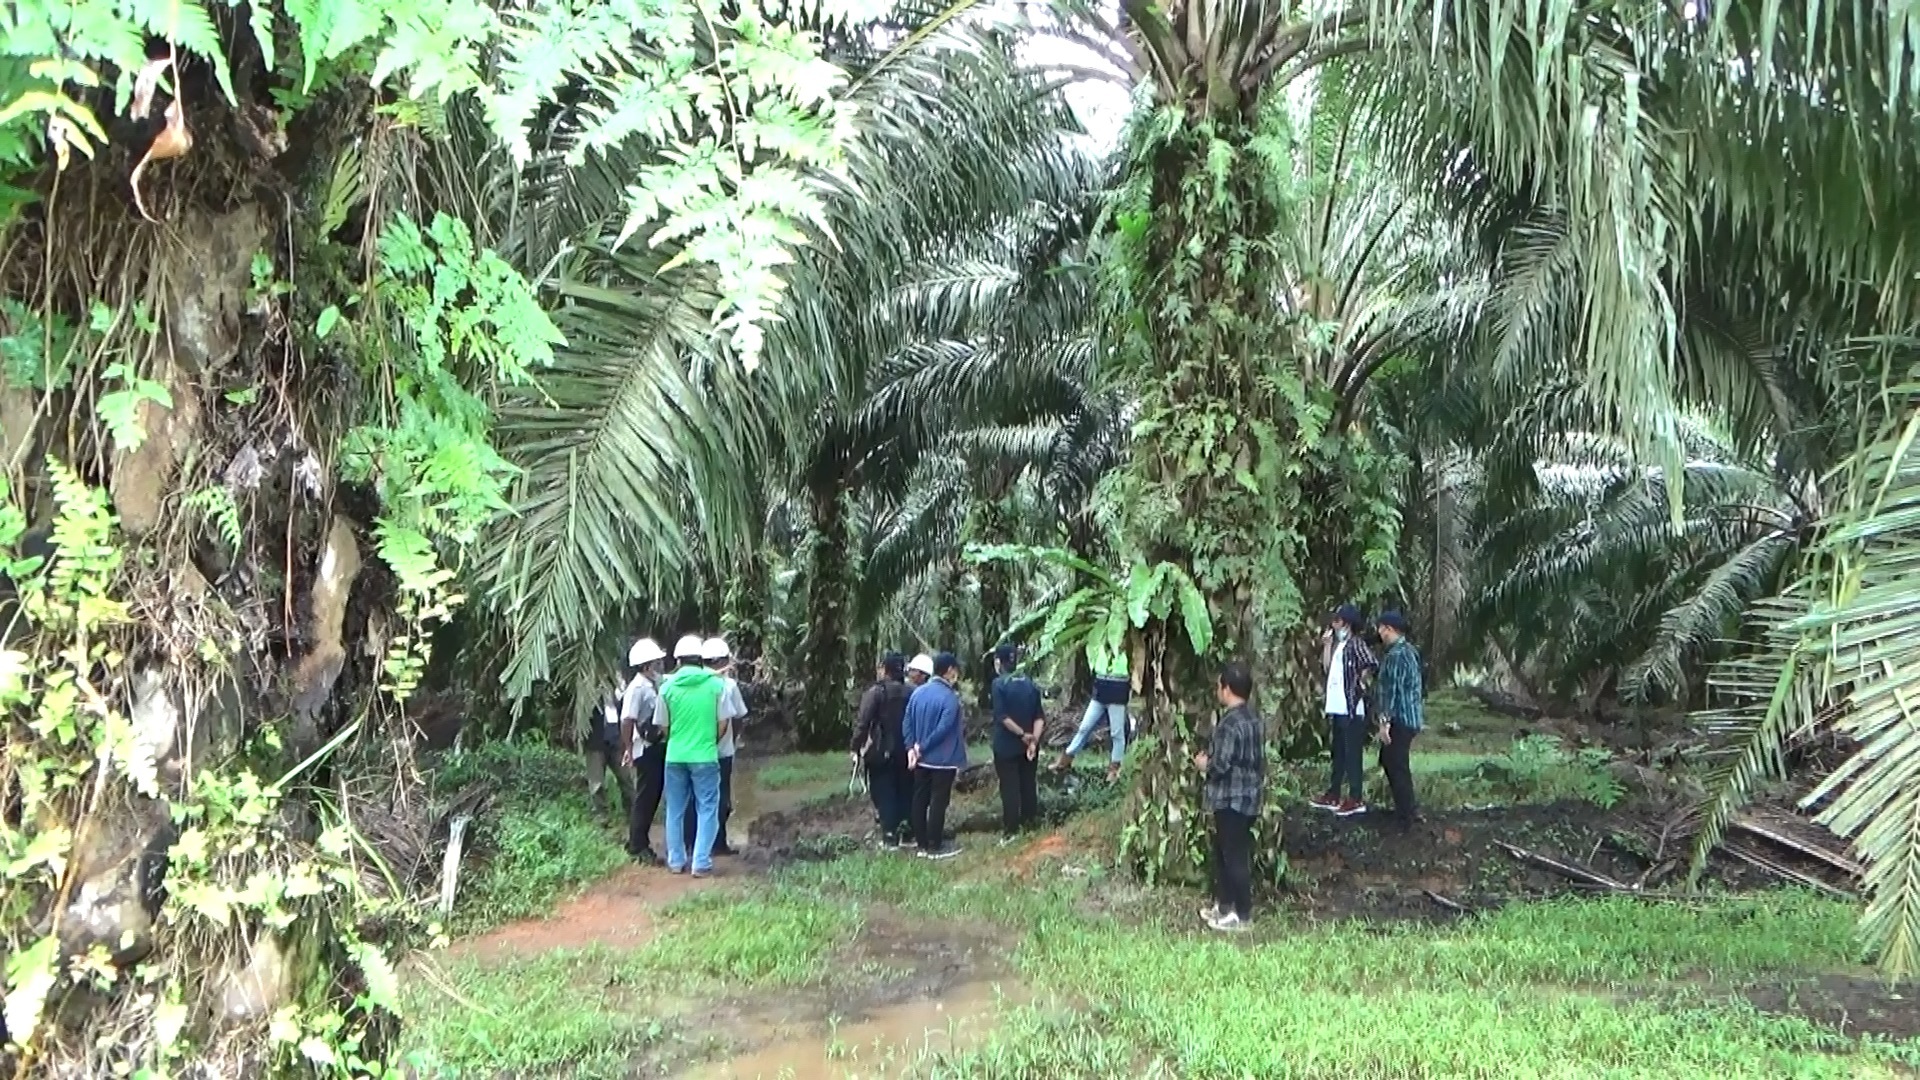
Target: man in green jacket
(691,696)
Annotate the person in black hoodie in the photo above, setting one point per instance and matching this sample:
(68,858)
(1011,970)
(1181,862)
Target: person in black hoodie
(877,744)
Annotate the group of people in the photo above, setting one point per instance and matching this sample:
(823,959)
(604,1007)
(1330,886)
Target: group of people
(1364,693)
(909,736)
(670,732)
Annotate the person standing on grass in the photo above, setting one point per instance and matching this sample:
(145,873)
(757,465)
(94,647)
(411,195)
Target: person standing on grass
(644,743)
(1349,664)
(715,655)
(880,747)
(1400,711)
(1235,764)
(602,748)
(936,752)
(1019,719)
(1111,692)
(694,728)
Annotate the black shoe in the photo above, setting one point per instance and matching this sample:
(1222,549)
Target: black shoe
(646,857)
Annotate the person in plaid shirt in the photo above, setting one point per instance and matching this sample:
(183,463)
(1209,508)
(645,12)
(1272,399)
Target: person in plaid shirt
(1400,712)
(1349,666)
(1235,764)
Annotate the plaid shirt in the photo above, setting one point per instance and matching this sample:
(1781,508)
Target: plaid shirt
(1400,691)
(1236,763)
(1356,668)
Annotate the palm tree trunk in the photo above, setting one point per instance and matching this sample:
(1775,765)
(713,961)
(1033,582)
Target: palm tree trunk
(1233,497)
(824,721)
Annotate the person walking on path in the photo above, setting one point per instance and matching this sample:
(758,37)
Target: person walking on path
(643,745)
(1019,719)
(880,747)
(602,748)
(1400,711)
(1111,692)
(936,752)
(1349,665)
(718,658)
(1235,765)
(694,728)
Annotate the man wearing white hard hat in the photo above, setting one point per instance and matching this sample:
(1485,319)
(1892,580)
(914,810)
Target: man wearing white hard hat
(919,670)
(643,738)
(692,695)
(733,709)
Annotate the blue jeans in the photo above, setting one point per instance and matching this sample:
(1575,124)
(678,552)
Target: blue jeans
(1116,726)
(704,780)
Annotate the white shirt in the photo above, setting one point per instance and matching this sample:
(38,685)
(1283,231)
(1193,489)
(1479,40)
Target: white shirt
(642,697)
(1337,680)
(733,707)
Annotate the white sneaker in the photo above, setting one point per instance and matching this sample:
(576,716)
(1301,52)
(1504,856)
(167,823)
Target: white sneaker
(947,852)
(1229,923)
(1210,912)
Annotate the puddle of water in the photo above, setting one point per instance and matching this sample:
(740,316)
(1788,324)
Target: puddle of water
(882,1045)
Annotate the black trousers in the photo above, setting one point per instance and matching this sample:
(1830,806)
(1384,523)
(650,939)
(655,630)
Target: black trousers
(932,791)
(1394,762)
(650,778)
(1349,755)
(1019,792)
(1233,862)
(890,785)
(726,808)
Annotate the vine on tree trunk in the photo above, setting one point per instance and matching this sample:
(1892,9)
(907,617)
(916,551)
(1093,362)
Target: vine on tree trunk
(1235,474)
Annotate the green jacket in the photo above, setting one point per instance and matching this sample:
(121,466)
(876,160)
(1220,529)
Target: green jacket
(692,695)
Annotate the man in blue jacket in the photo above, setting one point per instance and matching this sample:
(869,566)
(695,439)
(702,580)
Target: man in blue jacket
(936,752)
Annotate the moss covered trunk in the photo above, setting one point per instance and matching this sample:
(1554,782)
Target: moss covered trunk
(1221,483)
(212,588)
(826,671)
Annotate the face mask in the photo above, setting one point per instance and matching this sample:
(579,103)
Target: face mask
(1341,632)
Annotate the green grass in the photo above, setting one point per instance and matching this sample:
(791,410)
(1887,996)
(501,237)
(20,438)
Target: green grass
(528,1015)
(763,937)
(790,771)
(588,1013)
(539,842)
(1565,989)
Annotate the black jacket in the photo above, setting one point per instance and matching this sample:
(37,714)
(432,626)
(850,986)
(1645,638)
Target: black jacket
(876,730)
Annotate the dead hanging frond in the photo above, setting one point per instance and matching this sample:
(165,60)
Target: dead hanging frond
(174,140)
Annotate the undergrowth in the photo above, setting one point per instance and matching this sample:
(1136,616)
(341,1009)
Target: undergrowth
(541,839)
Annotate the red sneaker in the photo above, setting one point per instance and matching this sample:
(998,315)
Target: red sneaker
(1349,807)
(1328,801)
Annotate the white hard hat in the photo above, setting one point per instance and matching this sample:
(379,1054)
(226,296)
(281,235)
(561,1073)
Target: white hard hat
(644,652)
(922,664)
(687,648)
(715,649)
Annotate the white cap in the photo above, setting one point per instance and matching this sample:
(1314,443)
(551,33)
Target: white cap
(687,648)
(644,652)
(922,664)
(715,649)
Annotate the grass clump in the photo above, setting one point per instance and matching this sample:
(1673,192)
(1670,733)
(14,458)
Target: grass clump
(540,841)
(759,937)
(540,1015)
(789,771)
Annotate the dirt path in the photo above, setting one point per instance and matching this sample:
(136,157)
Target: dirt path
(922,987)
